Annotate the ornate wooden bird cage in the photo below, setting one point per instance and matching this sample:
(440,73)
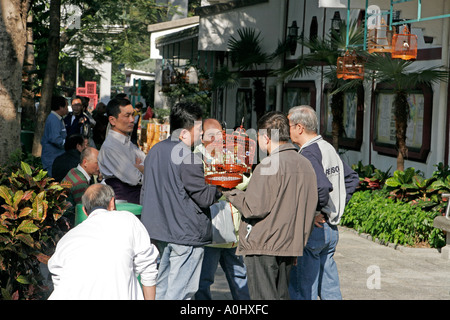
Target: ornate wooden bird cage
(353,66)
(380,39)
(404,45)
(233,157)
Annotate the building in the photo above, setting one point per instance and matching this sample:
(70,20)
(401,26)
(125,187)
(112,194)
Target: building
(203,42)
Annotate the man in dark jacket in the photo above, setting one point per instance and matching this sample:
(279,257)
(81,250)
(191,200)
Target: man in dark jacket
(175,205)
(73,146)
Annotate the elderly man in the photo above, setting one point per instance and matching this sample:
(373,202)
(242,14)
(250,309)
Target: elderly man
(101,258)
(120,161)
(316,274)
(80,178)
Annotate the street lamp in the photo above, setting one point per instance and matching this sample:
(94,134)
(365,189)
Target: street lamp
(336,21)
(292,37)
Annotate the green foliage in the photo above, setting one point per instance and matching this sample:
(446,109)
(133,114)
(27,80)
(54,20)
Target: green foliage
(370,178)
(392,221)
(31,223)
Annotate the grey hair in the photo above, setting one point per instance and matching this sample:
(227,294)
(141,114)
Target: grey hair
(304,115)
(97,196)
(86,154)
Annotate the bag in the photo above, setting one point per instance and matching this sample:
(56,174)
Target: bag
(222,223)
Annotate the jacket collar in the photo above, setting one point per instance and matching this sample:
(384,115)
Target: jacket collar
(284,147)
(310,142)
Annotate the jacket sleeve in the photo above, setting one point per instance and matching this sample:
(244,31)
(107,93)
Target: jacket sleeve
(351,181)
(258,200)
(324,186)
(193,178)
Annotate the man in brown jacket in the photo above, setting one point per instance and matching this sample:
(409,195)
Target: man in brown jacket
(278,210)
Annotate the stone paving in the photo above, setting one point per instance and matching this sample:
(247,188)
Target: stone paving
(372,271)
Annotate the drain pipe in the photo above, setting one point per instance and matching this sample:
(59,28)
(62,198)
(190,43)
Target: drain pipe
(443,139)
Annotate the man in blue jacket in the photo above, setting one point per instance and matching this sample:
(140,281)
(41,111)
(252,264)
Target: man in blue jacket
(175,204)
(54,133)
(316,274)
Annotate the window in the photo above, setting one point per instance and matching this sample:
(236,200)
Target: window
(418,133)
(244,108)
(299,93)
(353,118)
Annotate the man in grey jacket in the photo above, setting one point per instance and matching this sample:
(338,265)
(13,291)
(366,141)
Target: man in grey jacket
(277,209)
(316,273)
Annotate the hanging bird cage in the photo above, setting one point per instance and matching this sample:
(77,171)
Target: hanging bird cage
(353,66)
(404,45)
(233,156)
(380,39)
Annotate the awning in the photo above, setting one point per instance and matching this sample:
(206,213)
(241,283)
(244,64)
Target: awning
(185,34)
(354,4)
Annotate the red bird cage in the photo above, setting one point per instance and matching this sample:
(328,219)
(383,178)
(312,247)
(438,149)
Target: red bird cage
(233,156)
(404,45)
(350,66)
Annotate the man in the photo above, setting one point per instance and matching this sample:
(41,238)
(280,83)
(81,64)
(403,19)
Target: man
(225,254)
(175,204)
(316,273)
(54,133)
(277,209)
(73,147)
(80,178)
(120,161)
(137,116)
(76,121)
(101,258)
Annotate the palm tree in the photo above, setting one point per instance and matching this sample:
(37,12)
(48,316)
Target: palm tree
(246,54)
(397,74)
(325,52)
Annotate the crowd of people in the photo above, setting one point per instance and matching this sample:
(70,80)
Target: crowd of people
(285,213)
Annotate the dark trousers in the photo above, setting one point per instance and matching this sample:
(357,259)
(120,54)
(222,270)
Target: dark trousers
(124,191)
(268,276)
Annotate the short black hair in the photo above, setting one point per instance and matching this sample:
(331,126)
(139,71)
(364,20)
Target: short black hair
(275,120)
(72,141)
(58,102)
(113,107)
(183,116)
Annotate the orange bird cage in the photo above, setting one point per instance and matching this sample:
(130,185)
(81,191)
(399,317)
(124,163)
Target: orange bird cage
(380,39)
(233,156)
(351,66)
(404,45)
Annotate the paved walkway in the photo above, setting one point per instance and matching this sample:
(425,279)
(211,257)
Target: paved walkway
(371,271)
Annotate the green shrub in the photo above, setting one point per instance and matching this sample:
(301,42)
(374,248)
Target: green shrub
(392,221)
(31,223)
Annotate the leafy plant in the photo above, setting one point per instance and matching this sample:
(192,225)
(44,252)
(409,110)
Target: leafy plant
(370,178)
(31,223)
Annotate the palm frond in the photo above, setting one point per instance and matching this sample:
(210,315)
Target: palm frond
(246,51)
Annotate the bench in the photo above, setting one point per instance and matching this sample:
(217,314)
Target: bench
(443,223)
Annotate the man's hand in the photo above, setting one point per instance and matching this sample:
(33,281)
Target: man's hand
(319,220)
(139,165)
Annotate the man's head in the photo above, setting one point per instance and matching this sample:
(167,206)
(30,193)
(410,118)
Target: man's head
(303,124)
(186,121)
(77,106)
(98,196)
(120,115)
(273,130)
(59,105)
(89,162)
(76,141)
(212,131)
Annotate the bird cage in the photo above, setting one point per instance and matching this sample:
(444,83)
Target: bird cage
(233,157)
(353,66)
(380,39)
(404,45)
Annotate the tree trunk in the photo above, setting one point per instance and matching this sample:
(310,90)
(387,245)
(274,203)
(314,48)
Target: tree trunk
(401,106)
(50,75)
(337,111)
(13,39)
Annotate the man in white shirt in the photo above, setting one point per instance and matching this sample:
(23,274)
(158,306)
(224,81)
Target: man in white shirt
(120,161)
(101,258)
